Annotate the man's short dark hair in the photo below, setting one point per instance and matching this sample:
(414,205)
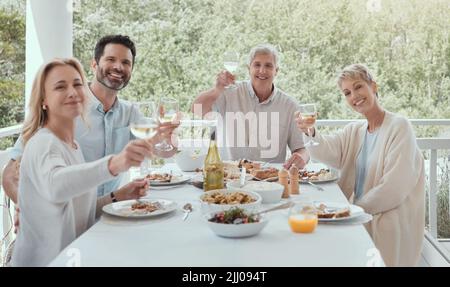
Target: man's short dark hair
(113,39)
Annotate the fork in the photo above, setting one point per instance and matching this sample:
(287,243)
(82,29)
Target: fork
(316,186)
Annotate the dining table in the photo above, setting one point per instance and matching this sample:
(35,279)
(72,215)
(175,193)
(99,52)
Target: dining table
(169,241)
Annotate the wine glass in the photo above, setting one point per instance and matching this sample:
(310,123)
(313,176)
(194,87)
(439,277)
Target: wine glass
(144,126)
(231,63)
(309,114)
(167,112)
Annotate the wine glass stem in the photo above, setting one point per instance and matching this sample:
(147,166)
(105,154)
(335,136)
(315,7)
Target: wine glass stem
(146,166)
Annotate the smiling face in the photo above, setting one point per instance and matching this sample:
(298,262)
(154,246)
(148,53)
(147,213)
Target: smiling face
(360,94)
(263,71)
(114,67)
(64,93)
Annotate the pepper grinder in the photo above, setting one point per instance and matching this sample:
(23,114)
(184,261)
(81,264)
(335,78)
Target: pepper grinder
(293,180)
(283,180)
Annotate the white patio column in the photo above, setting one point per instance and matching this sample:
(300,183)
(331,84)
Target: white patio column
(48,35)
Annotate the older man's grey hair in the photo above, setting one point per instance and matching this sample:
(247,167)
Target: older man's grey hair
(263,49)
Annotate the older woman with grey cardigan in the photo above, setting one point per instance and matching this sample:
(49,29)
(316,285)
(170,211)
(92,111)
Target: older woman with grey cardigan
(382,169)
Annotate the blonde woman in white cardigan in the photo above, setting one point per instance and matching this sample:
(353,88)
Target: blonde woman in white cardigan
(382,169)
(57,189)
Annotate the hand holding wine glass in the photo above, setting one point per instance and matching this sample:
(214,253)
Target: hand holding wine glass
(306,118)
(224,79)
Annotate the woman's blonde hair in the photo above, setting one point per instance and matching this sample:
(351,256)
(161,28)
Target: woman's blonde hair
(37,116)
(354,72)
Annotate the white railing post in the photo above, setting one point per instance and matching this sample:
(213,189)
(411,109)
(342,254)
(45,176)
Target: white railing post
(433,194)
(49,34)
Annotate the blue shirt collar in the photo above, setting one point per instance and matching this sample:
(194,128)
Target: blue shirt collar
(95,103)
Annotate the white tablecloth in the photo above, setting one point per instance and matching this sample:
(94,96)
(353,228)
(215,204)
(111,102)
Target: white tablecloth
(169,241)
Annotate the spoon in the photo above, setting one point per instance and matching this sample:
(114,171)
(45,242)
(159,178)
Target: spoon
(187,208)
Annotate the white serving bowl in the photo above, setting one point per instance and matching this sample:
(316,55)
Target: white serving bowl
(237,230)
(270,192)
(208,208)
(190,158)
(236,183)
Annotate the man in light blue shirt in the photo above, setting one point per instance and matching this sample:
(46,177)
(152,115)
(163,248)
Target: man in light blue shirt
(106,130)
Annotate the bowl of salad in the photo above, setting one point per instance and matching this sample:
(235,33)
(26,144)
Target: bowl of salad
(236,222)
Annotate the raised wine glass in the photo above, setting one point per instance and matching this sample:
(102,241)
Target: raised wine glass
(144,126)
(231,63)
(309,114)
(167,112)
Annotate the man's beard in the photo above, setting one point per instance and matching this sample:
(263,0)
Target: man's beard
(102,78)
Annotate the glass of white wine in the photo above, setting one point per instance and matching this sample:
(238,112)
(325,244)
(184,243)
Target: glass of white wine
(144,126)
(231,63)
(309,114)
(167,112)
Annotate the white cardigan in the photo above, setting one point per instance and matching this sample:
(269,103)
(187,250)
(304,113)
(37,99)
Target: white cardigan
(57,198)
(394,190)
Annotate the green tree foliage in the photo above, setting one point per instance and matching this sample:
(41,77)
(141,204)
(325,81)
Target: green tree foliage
(12,68)
(180,46)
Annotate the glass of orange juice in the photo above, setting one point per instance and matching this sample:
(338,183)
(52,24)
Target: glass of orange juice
(302,217)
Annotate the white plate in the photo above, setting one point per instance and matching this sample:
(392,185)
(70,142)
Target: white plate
(176,179)
(123,208)
(334,176)
(355,210)
(360,219)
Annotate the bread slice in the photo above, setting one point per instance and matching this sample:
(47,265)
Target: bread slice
(265,173)
(325,212)
(249,165)
(344,212)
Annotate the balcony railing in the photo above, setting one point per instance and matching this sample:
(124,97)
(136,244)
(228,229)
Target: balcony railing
(10,131)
